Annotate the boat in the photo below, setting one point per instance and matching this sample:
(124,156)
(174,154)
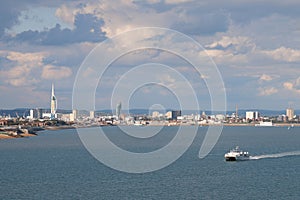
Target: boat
(264,124)
(237,155)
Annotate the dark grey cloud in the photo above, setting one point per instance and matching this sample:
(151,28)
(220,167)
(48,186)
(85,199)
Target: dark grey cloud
(9,15)
(159,6)
(203,24)
(87,28)
(245,12)
(241,12)
(10,11)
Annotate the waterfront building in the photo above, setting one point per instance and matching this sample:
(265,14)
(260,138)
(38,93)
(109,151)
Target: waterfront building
(75,114)
(168,115)
(290,113)
(72,119)
(175,114)
(36,113)
(31,113)
(46,115)
(118,110)
(252,115)
(155,114)
(92,114)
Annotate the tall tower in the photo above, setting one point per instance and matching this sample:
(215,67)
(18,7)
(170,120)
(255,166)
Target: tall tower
(118,109)
(53,103)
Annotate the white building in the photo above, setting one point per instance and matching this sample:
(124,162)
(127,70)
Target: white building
(36,113)
(118,109)
(252,115)
(48,115)
(92,114)
(290,113)
(75,114)
(168,115)
(155,114)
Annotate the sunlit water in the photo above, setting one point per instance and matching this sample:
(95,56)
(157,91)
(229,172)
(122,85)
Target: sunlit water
(55,165)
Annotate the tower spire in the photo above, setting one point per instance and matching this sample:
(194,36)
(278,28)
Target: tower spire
(53,103)
(52,93)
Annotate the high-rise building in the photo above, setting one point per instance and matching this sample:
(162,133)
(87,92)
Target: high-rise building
(168,115)
(36,113)
(53,103)
(75,114)
(118,109)
(92,114)
(252,115)
(155,114)
(175,114)
(290,113)
(31,116)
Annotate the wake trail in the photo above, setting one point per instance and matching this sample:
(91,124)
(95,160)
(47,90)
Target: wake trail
(275,155)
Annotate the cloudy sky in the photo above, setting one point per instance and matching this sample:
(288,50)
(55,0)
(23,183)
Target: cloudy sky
(255,45)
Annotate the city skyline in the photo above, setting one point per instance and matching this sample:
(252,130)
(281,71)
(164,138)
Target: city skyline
(255,46)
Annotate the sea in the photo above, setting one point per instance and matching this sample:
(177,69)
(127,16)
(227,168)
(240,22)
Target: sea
(56,165)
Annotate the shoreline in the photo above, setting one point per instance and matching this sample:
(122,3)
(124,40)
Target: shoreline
(22,135)
(6,135)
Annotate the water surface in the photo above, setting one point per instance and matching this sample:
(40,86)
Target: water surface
(55,165)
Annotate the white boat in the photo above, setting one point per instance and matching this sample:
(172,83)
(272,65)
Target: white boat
(264,124)
(236,155)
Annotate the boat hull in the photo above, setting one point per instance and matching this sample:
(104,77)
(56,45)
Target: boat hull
(240,158)
(230,159)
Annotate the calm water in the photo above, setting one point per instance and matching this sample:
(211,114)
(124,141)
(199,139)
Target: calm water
(55,165)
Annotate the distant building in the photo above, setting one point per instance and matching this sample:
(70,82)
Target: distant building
(168,115)
(47,115)
(92,114)
(75,114)
(36,113)
(118,109)
(53,103)
(66,117)
(203,115)
(252,115)
(71,116)
(31,114)
(173,114)
(290,113)
(155,114)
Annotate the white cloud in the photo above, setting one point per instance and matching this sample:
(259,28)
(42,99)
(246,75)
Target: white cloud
(284,54)
(293,86)
(252,45)
(267,91)
(265,77)
(288,85)
(66,14)
(231,50)
(56,72)
(25,58)
(23,67)
(237,41)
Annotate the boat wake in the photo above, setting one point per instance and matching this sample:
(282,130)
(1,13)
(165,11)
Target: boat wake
(275,155)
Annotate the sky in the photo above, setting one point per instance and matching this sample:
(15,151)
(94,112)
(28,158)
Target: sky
(255,46)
